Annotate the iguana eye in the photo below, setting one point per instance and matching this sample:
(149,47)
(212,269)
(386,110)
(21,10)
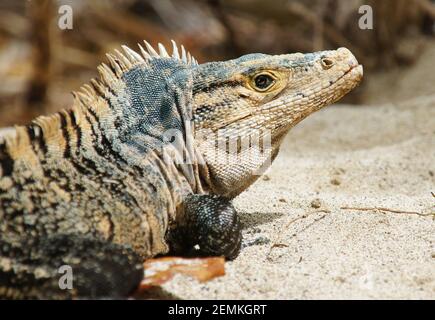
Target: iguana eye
(263,81)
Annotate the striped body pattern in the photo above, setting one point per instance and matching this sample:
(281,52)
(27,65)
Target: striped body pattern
(98,167)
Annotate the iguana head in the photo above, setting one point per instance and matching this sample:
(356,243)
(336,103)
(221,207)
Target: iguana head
(240,109)
(243,108)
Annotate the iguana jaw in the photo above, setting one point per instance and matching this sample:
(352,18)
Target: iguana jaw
(331,94)
(228,110)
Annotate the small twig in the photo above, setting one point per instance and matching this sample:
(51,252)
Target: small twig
(387,210)
(279,244)
(305,216)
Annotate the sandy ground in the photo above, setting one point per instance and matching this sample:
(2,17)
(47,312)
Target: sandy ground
(362,157)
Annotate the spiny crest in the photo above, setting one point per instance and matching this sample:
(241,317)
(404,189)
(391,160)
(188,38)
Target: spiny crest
(121,62)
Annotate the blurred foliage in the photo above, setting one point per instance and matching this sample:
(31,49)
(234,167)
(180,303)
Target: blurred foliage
(40,63)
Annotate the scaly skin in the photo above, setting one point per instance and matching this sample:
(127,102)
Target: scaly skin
(101,187)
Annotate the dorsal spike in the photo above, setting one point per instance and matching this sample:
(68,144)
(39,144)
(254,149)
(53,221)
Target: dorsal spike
(97,86)
(124,62)
(175,53)
(132,55)
(88,90)
(144,53)
(189,58)
(183,54)
(106,69)
(151,50)
(105,73)
(114,64)
(83,97)
(162,50)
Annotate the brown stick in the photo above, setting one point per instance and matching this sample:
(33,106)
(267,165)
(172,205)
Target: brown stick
(387,210)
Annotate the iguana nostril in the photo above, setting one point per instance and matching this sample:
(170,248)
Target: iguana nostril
(327,63)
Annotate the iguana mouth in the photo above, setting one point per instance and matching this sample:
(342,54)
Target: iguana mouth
(357,70)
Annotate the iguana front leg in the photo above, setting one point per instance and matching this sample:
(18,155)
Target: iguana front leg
(210,227)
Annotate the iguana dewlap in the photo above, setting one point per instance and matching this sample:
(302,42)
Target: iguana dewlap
(147,161)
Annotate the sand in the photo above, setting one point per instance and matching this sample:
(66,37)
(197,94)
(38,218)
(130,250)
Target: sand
(361,156)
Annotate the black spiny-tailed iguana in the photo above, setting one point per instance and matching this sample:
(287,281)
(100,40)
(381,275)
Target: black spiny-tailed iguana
(136,167)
